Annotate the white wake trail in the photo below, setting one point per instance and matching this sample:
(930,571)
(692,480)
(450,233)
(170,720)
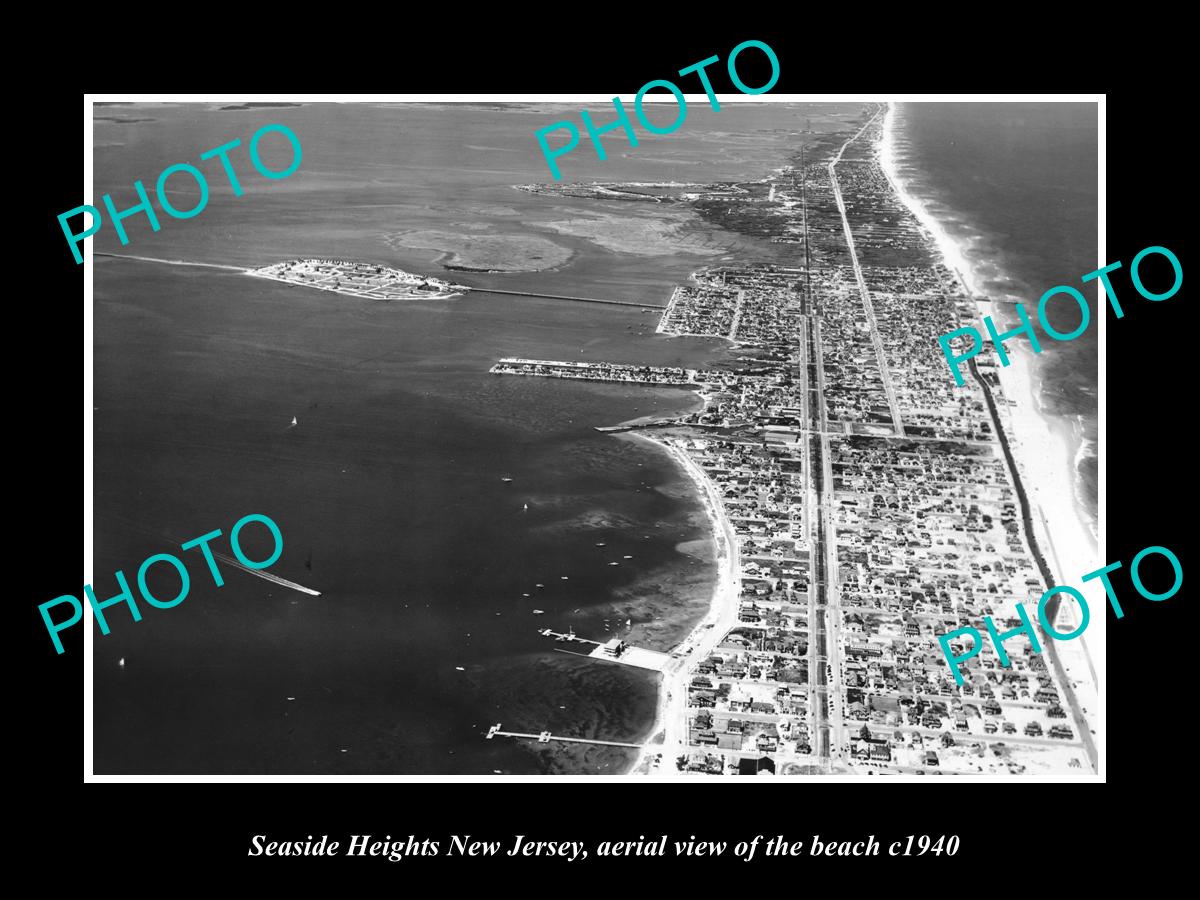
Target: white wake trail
(267,575)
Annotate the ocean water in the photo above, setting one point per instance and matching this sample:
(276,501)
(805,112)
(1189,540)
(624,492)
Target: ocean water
(1015,185)
(389,492)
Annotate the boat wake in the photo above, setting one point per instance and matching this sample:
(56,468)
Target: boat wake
(267,575)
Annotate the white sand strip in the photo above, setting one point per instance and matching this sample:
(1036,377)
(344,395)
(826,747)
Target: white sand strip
(267,575)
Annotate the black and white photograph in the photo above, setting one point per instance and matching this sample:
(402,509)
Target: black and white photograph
(681,437)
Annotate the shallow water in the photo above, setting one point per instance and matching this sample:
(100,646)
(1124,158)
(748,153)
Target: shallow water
(388,492)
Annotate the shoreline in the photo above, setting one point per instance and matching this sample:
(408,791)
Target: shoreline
(1039,451)
(664,418)
(1076,443)
(1044,444)
(670,712)
(1045,457)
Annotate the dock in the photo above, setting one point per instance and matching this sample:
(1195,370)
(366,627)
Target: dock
(568,636)
(545,737)
(613,650)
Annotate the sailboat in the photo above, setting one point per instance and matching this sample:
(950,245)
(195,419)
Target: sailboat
(294,422)
(526,507)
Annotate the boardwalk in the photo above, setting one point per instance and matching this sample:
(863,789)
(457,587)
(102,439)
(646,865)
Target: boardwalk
(1081,725)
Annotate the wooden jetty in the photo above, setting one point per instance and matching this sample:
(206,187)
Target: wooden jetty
(613,650)
(545,737)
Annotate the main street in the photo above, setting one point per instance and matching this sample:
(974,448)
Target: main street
(824,652)
(862,284)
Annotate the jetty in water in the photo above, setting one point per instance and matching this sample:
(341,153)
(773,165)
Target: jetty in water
(613,650)
(545,737)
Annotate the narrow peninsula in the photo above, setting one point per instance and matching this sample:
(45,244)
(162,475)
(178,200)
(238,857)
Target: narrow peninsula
(861,504)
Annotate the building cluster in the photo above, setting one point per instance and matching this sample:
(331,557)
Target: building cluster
(359,279)
(595,371)
(702,311)
(871,503)
(856,397)
(884,232)
(916,364)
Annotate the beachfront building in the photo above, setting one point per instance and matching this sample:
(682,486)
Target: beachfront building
(868,498)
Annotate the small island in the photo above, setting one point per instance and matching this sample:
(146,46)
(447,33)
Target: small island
(360,280)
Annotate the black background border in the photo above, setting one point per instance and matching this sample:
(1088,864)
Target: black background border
(209,829)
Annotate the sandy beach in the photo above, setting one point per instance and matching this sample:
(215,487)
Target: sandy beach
(670,717)
(1042,447)
(1045,457)
(668,735)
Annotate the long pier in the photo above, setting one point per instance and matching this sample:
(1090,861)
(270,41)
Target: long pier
(476,290)
(568,636)
(545,737)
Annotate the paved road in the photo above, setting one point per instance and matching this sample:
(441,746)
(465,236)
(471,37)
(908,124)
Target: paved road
(862,284)
(974,738)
